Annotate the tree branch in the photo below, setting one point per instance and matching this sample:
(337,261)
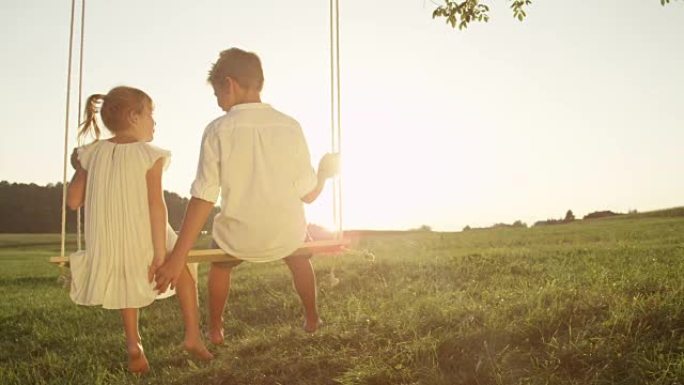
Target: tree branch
(460,13)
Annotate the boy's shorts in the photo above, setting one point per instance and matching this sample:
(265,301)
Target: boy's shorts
(235,262)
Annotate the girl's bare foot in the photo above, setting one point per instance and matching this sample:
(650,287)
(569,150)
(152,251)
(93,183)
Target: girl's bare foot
(216,336)
(137,362)
(310,326)
(198,350)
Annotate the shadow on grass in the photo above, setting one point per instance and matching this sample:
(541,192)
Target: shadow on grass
(30,282)
(30,245)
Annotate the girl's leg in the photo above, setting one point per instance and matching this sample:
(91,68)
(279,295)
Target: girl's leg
(219,288)
(137,362)
(304,280)
(186,291)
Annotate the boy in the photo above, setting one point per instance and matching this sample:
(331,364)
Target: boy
(258,160)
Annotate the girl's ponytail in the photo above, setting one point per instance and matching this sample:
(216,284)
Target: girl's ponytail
(90,122)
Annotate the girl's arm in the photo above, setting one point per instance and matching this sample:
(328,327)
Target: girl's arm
(76,189)
(158,212)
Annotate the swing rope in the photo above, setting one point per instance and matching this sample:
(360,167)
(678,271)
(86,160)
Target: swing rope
(336,127)
(79,230)
(66,127)
(335,123)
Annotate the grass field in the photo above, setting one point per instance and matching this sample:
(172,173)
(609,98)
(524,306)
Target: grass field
(592,302)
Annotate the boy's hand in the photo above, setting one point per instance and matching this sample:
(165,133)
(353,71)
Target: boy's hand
(74,159)
(329,166)
(168,273)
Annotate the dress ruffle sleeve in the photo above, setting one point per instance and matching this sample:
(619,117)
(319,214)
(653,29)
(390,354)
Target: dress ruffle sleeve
(152,153)
(85,154)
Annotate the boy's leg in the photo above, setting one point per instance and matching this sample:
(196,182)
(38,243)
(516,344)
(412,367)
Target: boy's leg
(137,362)
(304,280)
(219,288)
(186,291)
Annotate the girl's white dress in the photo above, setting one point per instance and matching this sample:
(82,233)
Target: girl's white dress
(112,270)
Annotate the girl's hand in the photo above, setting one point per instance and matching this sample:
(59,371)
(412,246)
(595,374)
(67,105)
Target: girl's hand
(329,166)
(156,263)
(74,159)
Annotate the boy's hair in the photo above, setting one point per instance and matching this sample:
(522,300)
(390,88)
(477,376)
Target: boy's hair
(115,107)
(242,66)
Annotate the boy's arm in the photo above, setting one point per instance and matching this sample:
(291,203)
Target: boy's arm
(205,190)
(76,189)
(158,214)
(314,194)
(328,167)
(195,216)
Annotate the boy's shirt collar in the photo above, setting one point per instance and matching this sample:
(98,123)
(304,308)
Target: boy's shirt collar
(249,106)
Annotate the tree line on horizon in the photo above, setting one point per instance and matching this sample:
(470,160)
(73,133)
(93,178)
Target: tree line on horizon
(30,208)
(569,217)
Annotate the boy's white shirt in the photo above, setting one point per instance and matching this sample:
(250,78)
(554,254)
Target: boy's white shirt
(257,159)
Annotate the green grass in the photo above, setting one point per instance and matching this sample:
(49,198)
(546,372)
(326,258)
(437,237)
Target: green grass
(592,302)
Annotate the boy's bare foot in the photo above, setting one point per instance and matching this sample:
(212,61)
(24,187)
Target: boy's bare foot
(310,326)
(137,362)
(216,336)
(198,350)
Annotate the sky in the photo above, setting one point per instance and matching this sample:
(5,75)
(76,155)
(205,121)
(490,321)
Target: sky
(575,108)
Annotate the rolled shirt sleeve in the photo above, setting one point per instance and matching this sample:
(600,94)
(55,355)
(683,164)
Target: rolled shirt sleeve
(207,184)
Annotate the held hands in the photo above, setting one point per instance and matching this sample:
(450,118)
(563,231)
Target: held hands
(167,273)
(157,262)
(329,166)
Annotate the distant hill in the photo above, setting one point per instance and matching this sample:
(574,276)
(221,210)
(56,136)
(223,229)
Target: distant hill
(601,214)
(664,213)
(610,215)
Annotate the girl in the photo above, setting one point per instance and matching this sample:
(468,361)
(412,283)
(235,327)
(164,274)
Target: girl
(126,230)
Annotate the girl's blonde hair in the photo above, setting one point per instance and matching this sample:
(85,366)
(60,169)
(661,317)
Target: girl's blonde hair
(115,108)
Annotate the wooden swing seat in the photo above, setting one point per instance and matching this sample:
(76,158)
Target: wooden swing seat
(330,246)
